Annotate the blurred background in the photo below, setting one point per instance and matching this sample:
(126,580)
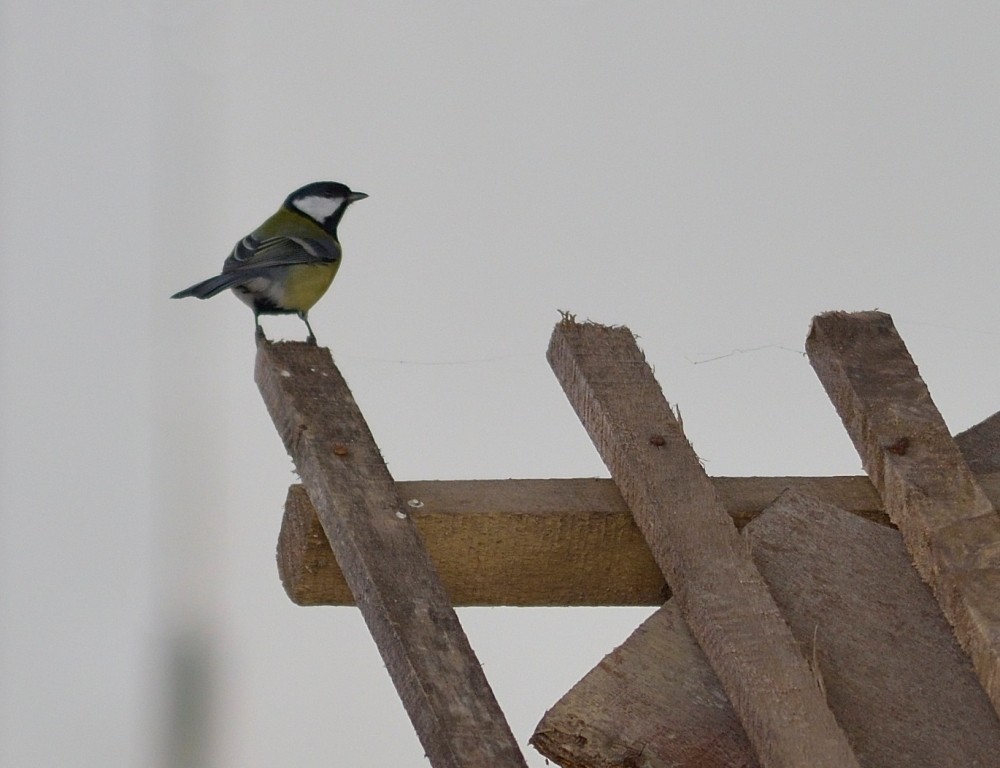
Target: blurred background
(711,175)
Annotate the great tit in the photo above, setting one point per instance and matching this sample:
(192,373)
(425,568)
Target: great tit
(285,265)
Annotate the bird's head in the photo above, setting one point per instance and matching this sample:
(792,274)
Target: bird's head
(323,201)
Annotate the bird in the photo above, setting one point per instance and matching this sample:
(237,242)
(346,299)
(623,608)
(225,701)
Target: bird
(285,265)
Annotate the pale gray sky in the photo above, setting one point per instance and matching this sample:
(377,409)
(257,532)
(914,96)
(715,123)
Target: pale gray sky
(710,174)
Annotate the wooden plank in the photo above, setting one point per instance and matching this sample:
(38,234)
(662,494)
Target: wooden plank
(980,445)
(436,673)
(654,701)
(497,557)
(892,670)
(530,542)
(719,591)
(560,542)
(948,522)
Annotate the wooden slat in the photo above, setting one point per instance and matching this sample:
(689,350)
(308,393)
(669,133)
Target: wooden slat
(653,701)
(720,593)
(980,445)
(497,556)
(428,656)
(948,523)
(559,542)
(892,670)
(533,542)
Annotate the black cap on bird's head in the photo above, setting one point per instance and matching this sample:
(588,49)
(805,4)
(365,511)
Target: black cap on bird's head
(323,201)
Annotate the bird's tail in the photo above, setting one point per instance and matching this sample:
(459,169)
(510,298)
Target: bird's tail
(206,289)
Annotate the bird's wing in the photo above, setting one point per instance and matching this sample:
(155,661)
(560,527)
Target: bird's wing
(252,253)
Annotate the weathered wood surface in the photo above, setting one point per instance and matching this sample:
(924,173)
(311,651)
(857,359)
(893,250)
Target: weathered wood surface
(436,673)
(890,666)
(546,542)
(980,446)
(508,546)
(948,522)
(654,702)
(533,542)
(721,595)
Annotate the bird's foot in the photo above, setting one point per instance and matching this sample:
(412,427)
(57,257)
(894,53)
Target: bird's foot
(311,340)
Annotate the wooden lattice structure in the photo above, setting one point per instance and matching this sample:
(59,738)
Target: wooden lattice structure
(796,633)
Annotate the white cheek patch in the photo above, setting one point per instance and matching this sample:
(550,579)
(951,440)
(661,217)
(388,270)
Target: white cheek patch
(318,208)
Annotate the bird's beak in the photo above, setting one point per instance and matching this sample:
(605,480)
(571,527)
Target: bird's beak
(355,196)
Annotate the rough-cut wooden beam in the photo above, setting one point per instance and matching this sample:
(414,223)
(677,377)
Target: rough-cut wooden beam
(892,670)
(519,549)
(980,445)
(653,701)
(533,542)
(722,596)
(428,656)
(948,523)
(561,542)
(547,542)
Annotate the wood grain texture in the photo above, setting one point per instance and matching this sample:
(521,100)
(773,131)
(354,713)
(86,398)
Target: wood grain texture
(948,522)
(720,593)
(653,702)
(496,543)
(980,445)
(435,671)
(891,668)
(565,542)
(533,542)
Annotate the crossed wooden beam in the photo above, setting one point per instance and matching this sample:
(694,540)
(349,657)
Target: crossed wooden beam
(804,640)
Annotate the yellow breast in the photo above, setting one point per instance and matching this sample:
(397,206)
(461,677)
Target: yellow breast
(305,283)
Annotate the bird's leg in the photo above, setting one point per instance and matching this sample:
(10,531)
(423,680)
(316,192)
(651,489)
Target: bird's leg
(259,333)
(311,338)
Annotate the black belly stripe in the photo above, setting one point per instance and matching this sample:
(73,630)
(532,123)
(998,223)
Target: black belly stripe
(264,306)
